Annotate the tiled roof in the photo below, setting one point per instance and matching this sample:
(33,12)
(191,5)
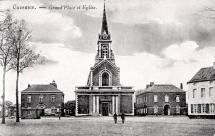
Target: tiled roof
(161,88)
(204,74)
(46,87)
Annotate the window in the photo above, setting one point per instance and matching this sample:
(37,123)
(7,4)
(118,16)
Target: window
(155,109)
(145,110)
(155,98)
(212,108)
(105,79)
(210,91)
(178,109)
(166,98)
(203,108)
(177,99)
(145,98)
(40,98)
(195,108)
(52,98)
(104,51)
(194,93)
(29,99)
(53,109)
(202,92)
(28,112)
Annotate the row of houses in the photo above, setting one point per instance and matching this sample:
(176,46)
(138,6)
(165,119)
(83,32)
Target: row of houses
(197,102)
(155,99)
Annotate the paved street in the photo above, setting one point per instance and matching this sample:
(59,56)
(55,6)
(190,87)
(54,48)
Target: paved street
(104,126)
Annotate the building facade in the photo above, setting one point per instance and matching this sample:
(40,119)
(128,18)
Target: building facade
(40,100)
(161,99)
(103,94)
(201,94)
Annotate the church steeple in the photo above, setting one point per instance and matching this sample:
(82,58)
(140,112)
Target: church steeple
(104,22)
(104,42)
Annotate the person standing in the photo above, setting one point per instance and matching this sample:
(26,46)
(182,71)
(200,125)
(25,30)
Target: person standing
(123,118)
(115,118)
(59,115)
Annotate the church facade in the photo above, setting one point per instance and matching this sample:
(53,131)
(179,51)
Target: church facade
(104,95)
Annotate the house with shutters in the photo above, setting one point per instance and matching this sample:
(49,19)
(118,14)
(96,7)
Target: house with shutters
(161,99)
(41,100)
(201,94)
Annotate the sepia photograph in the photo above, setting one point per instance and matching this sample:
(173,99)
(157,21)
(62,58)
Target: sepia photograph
(107,68)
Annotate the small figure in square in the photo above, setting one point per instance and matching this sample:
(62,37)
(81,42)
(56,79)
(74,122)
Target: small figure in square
(115,118)
(123,118)
(59,115)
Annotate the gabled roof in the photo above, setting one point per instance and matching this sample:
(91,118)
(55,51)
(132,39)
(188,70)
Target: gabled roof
(103,61)
(41,88)
(204,74)
(161,88)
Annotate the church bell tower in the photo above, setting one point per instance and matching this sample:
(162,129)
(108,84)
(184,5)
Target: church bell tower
(104,50)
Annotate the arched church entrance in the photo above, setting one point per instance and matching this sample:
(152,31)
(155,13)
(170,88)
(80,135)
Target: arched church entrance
(105,79)
(166,110)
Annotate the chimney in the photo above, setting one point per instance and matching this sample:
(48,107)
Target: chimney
(151,84)
(181,86)
(213,65)
(53,83)
(29,85)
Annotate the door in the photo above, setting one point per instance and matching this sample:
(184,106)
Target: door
(105,109)
(42,112)
(166,110)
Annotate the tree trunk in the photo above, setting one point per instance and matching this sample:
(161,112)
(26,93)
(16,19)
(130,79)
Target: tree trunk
(17,96)
(17,85)
(3,96)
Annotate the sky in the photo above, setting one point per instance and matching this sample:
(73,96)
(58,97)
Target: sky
(161,41)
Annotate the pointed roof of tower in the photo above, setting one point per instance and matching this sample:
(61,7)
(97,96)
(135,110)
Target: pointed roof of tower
(104,22)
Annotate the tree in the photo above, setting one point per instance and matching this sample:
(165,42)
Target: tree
(23,54)
(70,107)
(5,54)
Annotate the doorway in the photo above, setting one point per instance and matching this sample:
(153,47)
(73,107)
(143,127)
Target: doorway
(42,112)
(166,110)
(105,108)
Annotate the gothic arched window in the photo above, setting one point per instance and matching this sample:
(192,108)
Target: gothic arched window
(105,79)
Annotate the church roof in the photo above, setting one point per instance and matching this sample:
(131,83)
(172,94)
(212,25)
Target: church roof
(104,22)
(204,74)
(41,88)
(161,88)
(103,61)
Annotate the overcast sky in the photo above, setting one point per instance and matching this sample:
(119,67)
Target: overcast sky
(161,41)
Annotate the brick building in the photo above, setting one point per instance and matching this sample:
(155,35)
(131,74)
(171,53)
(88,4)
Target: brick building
(201,94)
(161,99)
(103,94)
(39,100)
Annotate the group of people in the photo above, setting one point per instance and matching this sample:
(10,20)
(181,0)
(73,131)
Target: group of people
(122,117)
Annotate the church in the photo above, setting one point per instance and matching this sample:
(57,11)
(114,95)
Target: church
(104,95)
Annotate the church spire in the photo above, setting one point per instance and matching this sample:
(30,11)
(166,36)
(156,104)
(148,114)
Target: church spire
(104,51)
(104,22)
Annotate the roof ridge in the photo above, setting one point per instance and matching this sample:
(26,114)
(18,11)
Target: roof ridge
(164,84)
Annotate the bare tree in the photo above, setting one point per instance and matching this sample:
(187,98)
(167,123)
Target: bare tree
(5,53)
(23,54)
